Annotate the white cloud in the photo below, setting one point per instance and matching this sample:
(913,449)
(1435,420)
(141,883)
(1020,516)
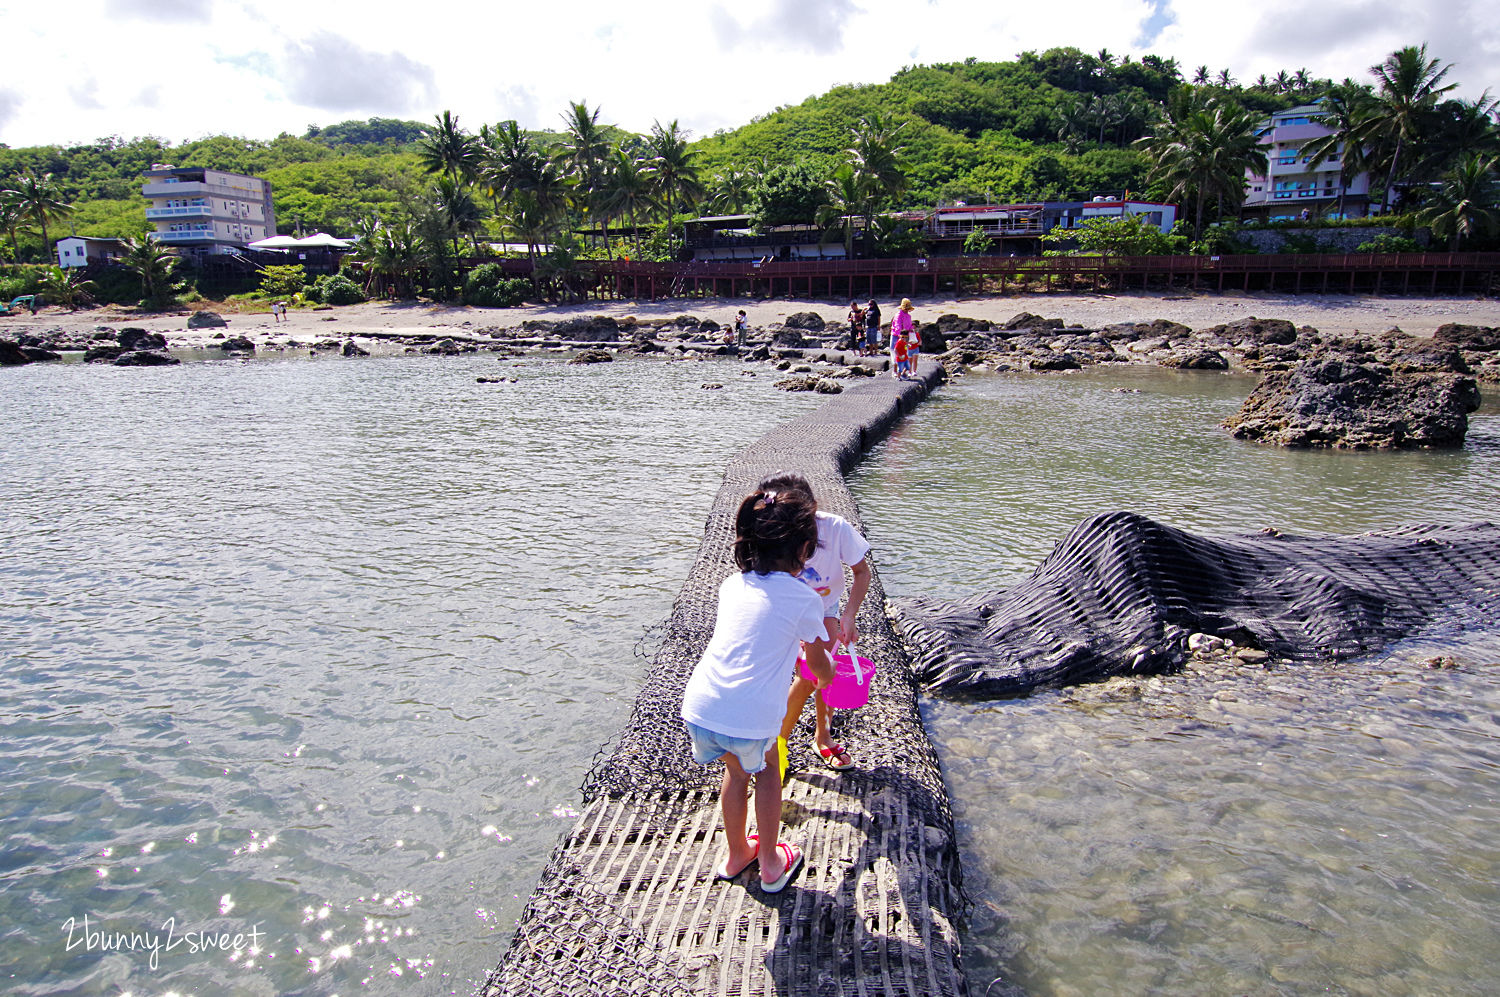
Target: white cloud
(185,68)
(330,73)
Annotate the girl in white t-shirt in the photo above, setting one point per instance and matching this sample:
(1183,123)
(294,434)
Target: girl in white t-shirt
(839,543)
(736,697)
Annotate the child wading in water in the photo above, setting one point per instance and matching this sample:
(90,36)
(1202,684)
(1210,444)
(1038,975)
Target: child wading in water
(735,700)
(839,543)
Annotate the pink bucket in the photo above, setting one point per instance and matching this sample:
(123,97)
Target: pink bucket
(851,680)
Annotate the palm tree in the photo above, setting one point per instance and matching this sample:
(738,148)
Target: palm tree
(845,200)
(628,191)
(1462,127)
(66,287)
(515,169)
(1409,88)
(1347,107)
(1283,82)
(36,198)
(450,150)
(1206,153)
(390,256)
(583,155)
(673,174)
(460,214)
(875,155)
(1465,202)
(10,220)
(1225,80)
(729,191)
(1071,119)
(1201,77)
(154,264)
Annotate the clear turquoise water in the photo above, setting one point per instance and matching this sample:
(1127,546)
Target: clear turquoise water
(1300,830)
(321,650)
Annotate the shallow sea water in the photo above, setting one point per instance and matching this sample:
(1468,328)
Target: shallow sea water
(316,653)
(1294,830)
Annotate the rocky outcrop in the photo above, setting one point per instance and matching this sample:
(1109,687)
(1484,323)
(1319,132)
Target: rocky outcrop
(97,354)
(590,329)
(40,354)
(206,320)
(239,344)
(352,350)
(145,358)
(142,339)
(1474,338)
(11,355)
(593,356)
(811,321)
(1196,360)
(1338,402)
(811,382)
(789,336)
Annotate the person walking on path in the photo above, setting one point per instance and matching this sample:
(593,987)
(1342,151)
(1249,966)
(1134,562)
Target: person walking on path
(872,328)
(735,700)
(839,544)
(901,325)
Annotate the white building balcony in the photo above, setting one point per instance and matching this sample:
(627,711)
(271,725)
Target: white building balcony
(189,211)
(186,189)
(193,235)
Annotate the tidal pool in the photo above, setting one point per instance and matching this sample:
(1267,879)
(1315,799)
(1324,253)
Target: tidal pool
(1324,828)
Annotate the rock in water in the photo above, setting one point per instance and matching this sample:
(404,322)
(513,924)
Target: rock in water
(142,339)
(145,358)
(12,355)
(1340,403)
(593,356)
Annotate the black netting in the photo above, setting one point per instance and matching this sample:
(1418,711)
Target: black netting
(1122,593)
(572,923)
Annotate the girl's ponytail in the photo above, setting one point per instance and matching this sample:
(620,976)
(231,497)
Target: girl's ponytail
(774,530)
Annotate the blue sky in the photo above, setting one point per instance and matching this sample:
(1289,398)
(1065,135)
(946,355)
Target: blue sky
(181,69)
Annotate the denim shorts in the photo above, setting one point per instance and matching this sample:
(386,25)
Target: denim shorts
(709,746)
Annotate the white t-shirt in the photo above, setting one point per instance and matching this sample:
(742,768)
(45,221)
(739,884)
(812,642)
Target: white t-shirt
(839,543)
(739,686)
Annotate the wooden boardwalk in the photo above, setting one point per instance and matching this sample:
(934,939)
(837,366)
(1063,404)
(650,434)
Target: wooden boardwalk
(629,904)
(1324,273)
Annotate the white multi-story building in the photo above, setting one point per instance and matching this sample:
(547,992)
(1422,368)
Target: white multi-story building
(1293,187)
(207,211)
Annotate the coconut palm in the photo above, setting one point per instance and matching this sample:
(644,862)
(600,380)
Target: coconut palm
(583,155)
(154,264)
(875,155)
(845,200)
(1201,77)
(1070,118)
(37,199)
(729,191)
(628,191)
(671,169)
(390,255)
(66,287)
(10,220)
(1346,110)
(1408,87)
(515,169)
(1204,154)
(1465,201)
(449,150)
(460,214)
(1224,79)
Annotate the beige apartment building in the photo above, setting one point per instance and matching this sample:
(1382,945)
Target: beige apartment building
(204,211)
(1294,187)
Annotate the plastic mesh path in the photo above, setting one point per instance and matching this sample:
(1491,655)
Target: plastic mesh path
(628,903)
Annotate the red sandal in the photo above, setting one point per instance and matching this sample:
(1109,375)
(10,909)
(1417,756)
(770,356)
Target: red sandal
(832,754)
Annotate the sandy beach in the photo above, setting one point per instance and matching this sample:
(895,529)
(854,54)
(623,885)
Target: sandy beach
(1339,315)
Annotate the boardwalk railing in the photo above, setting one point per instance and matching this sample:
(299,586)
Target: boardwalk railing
(1376,273)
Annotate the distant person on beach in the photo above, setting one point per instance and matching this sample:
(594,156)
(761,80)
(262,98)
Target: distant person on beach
(856,327)
(913,347)
(872,328)
(839,544)
(741,329)
(736,697)
(278,311)
(901,326)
